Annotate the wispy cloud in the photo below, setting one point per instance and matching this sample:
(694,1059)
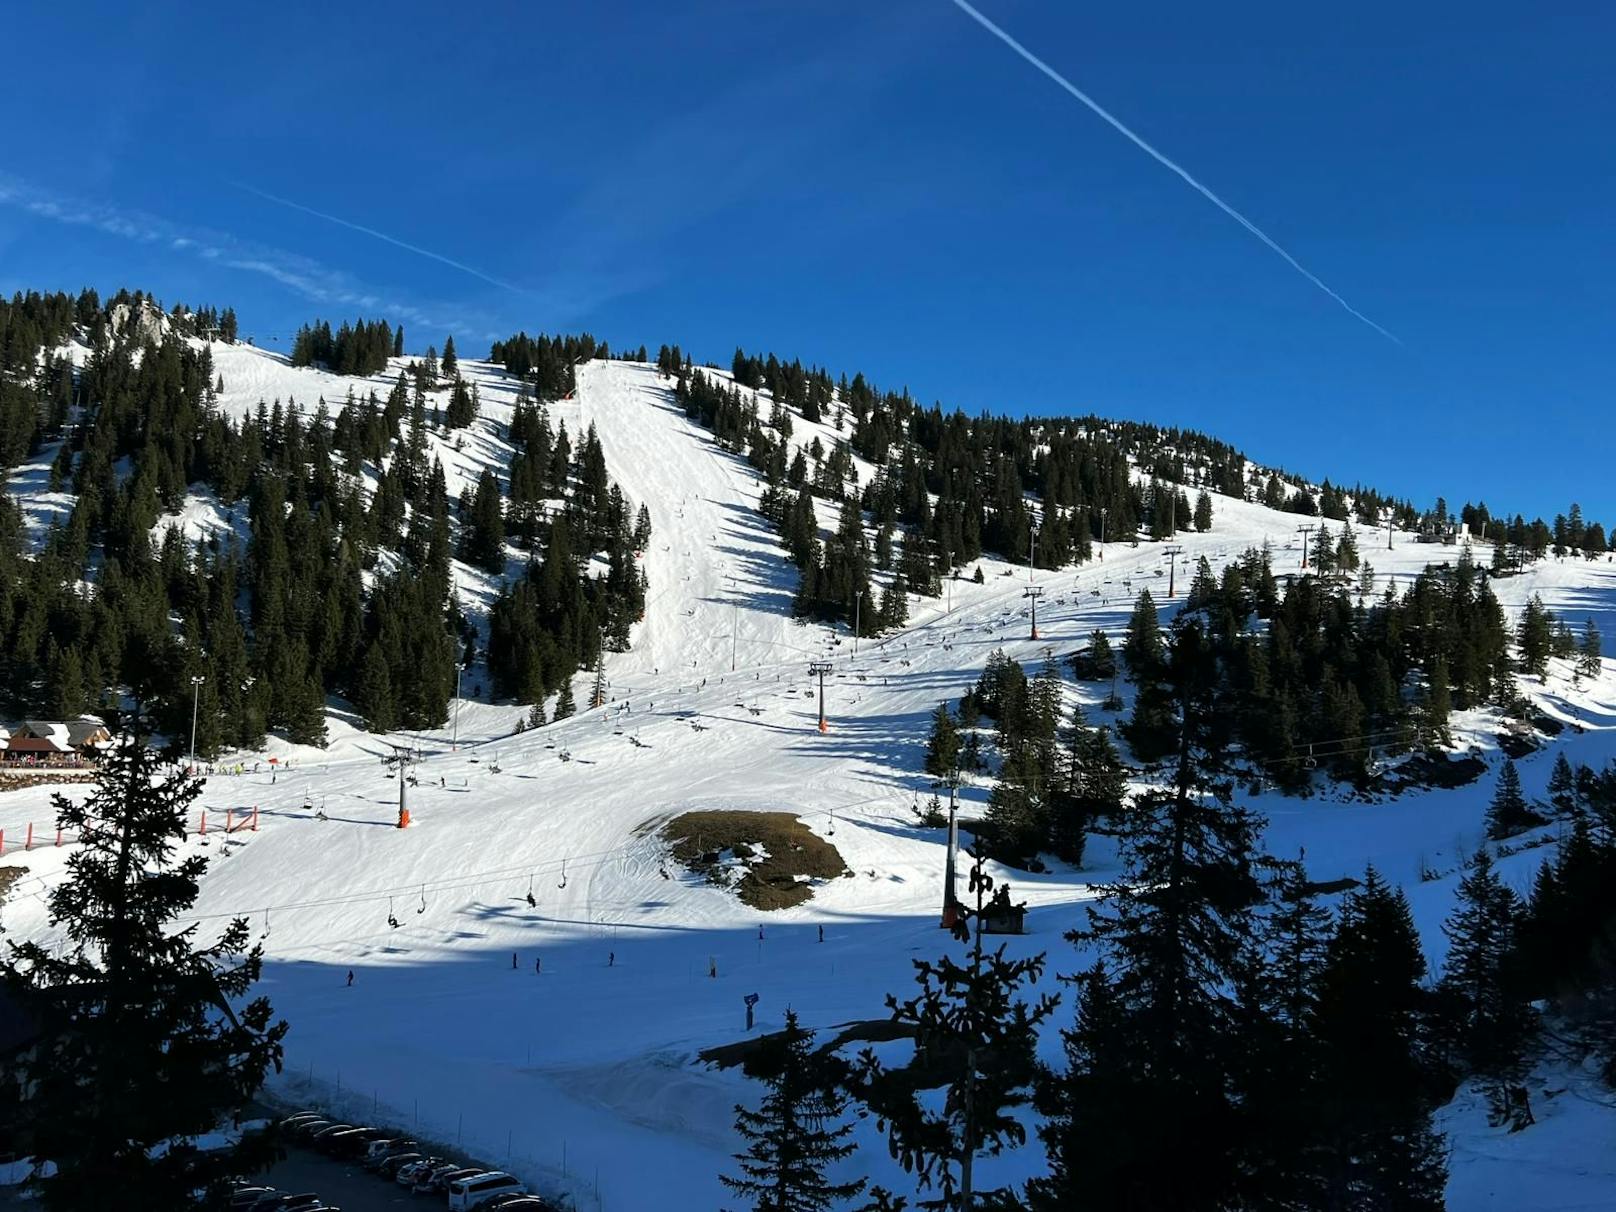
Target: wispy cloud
(300,274)
(385,238)
(1117,124)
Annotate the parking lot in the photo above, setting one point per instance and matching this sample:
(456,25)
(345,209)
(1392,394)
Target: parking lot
(342,1184)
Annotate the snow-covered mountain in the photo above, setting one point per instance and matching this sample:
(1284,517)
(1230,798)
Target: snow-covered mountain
(562,1033)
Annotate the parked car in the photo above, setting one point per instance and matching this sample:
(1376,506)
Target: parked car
(288,1203)
(389,1166)
(516,1203)
(477,1189)
(385,1145)
(309,1127)
(379,1151)
(437,1183)
(248,1194)
(351,1143)
(320,1134)
(292,1122)
(407,1175)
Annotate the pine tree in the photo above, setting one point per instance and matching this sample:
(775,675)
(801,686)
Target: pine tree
(597,694)
(794,1136)
(1097,662)
(305,721)
(375,693)
(1436,706)
(149,1037)
(1508,813)
(1489,1023)
(1143,647)
(1203,511)
(942,747)
(1534,637)
(564,705)
(1284,1092)
(1375,1146)
(976,1032)
(450,365)
(1143,1116)
(1590,659)
(1563,788)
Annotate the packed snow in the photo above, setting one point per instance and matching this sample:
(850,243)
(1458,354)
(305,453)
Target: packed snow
(559,1041)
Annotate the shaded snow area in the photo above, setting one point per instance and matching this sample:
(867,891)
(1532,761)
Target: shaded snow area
(580,1060)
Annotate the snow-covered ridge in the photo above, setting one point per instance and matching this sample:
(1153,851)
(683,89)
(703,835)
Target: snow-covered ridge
(593,1053)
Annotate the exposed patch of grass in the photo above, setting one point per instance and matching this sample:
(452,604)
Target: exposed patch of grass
(769,852)
(9,876)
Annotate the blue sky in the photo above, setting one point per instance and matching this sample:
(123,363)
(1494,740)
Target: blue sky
(886,187)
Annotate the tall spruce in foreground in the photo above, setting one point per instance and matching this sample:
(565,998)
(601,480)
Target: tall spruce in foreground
(148,1038)
(976,1036)
(1285,1096)
(794,1136)
(1146,1115)
(1489,1024)
(1375,1147)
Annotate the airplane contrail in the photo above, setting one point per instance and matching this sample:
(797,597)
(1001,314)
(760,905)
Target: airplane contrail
(1211,197)
(385,238)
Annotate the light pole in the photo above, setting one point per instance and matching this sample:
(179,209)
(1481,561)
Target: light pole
(820,669)
(1103,512)
(1032,552)
(454,735)
(196,691)
(1304,531)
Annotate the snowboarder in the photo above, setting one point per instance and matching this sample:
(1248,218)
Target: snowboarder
(350,977)
(712,967)
(822,934)
(513,961)
(611,959)
(538,965)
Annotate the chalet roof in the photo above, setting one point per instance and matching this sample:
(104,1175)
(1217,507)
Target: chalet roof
(86,729)
(49,731)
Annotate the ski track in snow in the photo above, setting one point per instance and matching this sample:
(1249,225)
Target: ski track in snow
(588,1065)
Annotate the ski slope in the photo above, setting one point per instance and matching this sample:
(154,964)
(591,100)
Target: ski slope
(582,1076)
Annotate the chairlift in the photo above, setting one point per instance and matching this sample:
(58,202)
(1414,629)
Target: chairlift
(832,830)
(266,923)
(422,909)
(563,882)
(1375,765)
(1308,763)
(392,918)
(531,903)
